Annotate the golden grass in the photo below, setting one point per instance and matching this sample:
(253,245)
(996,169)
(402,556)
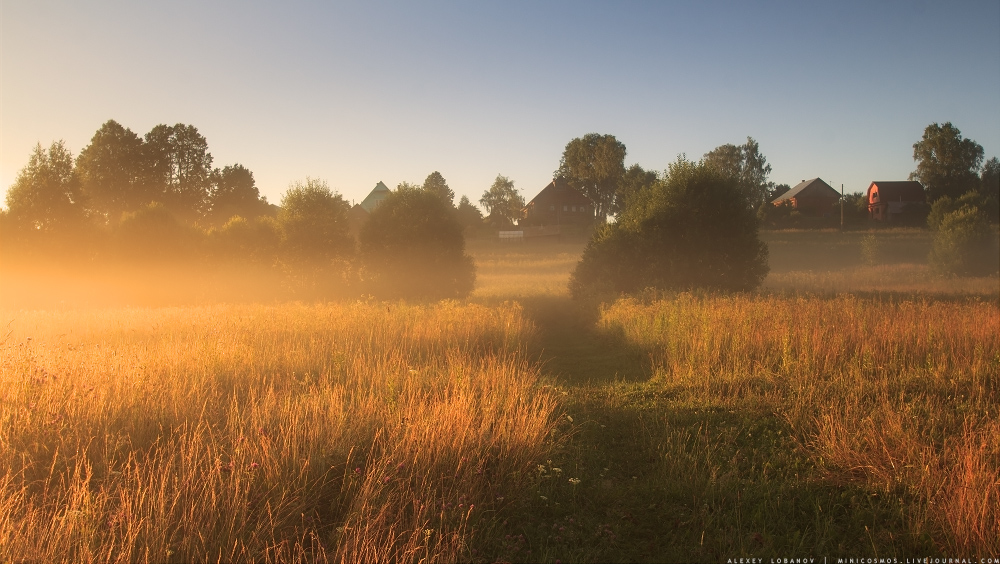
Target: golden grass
(519,270)
(355,432)
(391,432)
(901,395)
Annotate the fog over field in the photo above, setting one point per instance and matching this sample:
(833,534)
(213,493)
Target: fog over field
(512,282)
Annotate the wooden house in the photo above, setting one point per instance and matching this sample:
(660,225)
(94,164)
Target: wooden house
(887,200)
(558,204)
(810,197)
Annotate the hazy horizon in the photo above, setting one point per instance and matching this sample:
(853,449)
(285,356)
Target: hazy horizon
(361,93)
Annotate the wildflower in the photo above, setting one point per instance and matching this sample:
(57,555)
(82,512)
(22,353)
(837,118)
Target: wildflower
(428,533)
(254,465)
(543,498)
(557,470)
(574,481)
(568,418)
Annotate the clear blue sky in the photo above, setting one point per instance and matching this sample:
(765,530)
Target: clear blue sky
(354,93)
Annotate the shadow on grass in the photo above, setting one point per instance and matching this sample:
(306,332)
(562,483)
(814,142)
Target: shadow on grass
(646,474)
(574,351)
(643,469)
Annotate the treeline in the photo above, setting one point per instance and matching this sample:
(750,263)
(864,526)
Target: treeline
(157,200)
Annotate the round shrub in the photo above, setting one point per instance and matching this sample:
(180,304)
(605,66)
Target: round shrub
(964,244)
(412,246)
(694,229)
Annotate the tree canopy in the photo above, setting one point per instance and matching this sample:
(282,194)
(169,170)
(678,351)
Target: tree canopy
(690,230)
(747,166)
(594,164)
(468,215)
(234,192)
(314,221)
(412,246)
(504,204)
(436,184)
(46,195)
(635,181)
(111,170)
(947,164)
(180,168)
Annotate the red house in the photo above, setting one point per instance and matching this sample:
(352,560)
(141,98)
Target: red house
(887,200)
(811,197)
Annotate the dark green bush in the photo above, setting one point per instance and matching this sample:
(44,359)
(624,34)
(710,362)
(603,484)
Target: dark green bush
(412,246)
(694,229)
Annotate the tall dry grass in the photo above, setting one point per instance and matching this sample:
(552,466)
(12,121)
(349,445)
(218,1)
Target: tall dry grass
(901,395)
(355,432)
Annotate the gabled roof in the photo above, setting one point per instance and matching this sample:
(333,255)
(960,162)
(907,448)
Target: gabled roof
(375,197)
(560,191)
(898,191)
(816,186)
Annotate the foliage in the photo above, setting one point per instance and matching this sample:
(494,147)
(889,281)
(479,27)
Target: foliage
(46,196)
(946,205)
(436,184)
(180,168)
(112,172)
(313,222)
(255,240)
(595,165)
(503,203)
(964,244)
(469,216)
(412,246)
(779,189)
(777,216)
(947,165)
(234,192)
(634,182)
(989,178)
(153,233)
(748,167)
(989,187)
(871,250)
(693,230)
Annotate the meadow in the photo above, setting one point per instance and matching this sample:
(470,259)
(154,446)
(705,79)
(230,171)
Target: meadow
(848,409)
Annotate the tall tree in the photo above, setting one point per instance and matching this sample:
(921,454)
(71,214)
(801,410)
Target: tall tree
(504,205)
(594,164)
(234,192)
(947,165)
(436,184)
(747,166)
(111,171)
(46,195)
(180,167)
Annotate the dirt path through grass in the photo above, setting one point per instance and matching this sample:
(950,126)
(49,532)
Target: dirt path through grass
(644,470)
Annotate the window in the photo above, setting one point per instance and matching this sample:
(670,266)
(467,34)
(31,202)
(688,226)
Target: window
(565,208)
(574,208)
(552,208)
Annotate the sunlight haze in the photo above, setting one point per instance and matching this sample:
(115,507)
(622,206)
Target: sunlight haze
(357,93)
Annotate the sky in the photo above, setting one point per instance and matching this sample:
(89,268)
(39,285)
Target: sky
(355,93)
